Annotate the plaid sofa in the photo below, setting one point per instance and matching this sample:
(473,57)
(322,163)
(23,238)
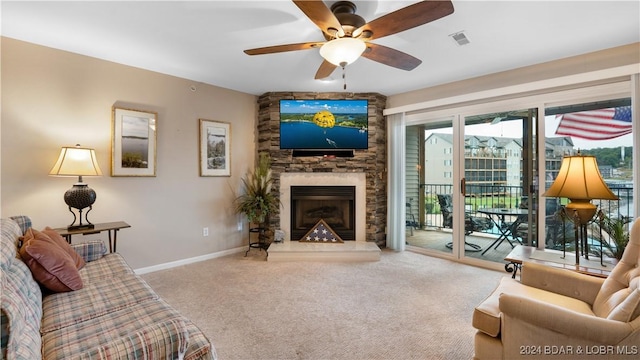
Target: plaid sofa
(116,315)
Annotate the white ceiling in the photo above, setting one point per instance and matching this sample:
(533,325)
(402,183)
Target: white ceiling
(204,40)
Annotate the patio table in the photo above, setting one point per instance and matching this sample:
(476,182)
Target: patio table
(497,216)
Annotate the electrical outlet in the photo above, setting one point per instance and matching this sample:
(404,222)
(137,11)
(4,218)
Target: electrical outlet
(205,231)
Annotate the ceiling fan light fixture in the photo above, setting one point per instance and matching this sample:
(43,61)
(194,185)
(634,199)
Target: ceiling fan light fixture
(342,51)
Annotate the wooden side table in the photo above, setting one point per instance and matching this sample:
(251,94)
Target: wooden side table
(111,228)
(523,253)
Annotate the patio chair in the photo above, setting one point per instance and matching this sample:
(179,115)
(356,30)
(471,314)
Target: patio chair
(411,222)
(471,223)
(553,221)
(521,223)
(559,230)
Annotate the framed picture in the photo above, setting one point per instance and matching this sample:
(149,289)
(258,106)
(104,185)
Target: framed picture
(215,148)
(133,143)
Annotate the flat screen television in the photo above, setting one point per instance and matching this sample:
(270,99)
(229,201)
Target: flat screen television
(324,124)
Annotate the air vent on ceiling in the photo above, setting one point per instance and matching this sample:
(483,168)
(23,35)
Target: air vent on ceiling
(460,38)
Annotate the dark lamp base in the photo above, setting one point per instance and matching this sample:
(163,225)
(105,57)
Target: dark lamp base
(80,227)
(80,197)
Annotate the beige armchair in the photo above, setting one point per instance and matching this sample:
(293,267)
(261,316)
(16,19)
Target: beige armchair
(554,313)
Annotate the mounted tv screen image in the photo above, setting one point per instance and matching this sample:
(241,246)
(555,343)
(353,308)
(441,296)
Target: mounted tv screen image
(324,124)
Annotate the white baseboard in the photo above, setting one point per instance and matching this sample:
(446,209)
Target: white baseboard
(172,264)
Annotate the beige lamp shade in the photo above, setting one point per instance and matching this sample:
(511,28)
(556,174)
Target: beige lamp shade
(342,51)
(76,161)
(579,180)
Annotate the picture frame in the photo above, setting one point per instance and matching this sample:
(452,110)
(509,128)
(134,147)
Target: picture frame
(215,148)
(133,142)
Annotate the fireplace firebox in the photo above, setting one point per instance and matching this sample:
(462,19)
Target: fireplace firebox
(333,204)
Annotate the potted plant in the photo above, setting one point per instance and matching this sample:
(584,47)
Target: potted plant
(258,202)
(617,230)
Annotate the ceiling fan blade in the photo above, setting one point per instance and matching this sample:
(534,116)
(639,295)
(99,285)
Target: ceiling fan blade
(325,70)
(321,15)
(406,18)
(283,48)
(391,57)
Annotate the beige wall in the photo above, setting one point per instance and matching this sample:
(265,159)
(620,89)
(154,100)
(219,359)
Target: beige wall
(52,98)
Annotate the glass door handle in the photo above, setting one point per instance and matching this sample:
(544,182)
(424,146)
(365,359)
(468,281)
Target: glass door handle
(463,186)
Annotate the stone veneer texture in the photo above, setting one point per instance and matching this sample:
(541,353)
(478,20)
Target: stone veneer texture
(372,162)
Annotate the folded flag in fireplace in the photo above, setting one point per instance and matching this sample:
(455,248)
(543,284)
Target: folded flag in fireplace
(321,233)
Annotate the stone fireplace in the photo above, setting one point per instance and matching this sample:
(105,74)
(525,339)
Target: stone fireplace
(365,171)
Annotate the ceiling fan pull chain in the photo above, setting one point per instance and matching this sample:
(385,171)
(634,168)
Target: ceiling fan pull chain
(344,77)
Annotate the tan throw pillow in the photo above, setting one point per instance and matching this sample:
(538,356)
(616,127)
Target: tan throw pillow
(51,266)
(64,245)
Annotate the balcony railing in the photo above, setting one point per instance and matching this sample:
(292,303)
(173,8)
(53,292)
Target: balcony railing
(492,196)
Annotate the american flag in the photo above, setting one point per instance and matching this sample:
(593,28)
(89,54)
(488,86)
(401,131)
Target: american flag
(600,124)
(323,233)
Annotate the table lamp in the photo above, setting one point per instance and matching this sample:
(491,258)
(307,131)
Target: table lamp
(78,161)
(579,180)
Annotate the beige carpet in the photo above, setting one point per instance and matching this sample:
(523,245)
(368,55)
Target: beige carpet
(406,306)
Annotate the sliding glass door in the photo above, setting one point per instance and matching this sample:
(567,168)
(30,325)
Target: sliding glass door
(499,186)
(475,173)
(429,186)
(602,129)
(468,184)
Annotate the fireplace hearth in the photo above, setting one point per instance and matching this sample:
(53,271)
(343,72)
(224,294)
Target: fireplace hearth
(333,204)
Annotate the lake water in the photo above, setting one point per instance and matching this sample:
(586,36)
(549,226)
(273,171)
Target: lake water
(305,135)
(137,146)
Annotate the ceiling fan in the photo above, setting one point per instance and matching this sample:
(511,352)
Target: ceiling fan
(348,35)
